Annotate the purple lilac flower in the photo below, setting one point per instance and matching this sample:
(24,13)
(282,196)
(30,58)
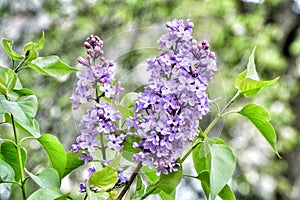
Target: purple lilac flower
(82,186)
(167,113)
(95,83)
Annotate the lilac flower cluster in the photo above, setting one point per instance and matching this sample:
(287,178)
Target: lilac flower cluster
(96,84)
(167,113)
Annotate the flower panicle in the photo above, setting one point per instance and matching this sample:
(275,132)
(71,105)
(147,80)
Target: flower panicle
(167,113)
(97,86)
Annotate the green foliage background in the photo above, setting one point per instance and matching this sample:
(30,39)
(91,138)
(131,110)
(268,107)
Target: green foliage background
(130,29)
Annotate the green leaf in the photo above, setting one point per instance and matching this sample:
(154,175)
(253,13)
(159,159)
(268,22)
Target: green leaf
(23,92)
(41,42)
(222,168)
(8,80)
(150,173)
(125,112)
(140,187)
(98,196)
(2,108)
(129,99)
(201,158)
(73,162)
(51,66)
(31,49)
(46,194)
(6,171)
(205,182)
(6,174)
(29,105)
(169,182)
(9,152)
(23,111)
(48,178)
(260,117)
(128,149)
(105,178)
(227,194)
(250,87)
(248,82)
(167,196)
(7,45)
(251,69)
(239,79)
(30,52)
(55,151)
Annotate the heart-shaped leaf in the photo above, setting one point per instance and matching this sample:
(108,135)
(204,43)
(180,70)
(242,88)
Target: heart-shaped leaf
(107,177)
(223,163)
(48,178)
(9,152)
(73,162)
(51,66)
(55,151)
(7,45)
(248,82)
(8,80)
(260,117)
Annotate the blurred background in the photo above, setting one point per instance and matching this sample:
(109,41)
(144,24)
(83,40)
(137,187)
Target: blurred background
(130,29)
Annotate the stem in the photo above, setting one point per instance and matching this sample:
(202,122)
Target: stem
(211,125)
(19,154)
(12,182)
(128,184)
(102,147)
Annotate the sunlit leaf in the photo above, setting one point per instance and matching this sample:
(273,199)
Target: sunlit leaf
(222,167)
(248,82)
(129,99)
(41,42)
(128,149)
(168,182)
(46,194)
(205,182)
(251,69)
(260,117)
(55,152)
(6,174)
(23,111)
(51,66)
(8,80)
(250,87)
(9,152)
(98,195)
(105,178)
(167,196)
(30,52)
(48,178)
(227,194)
(7,45)
(73,162)
(150,173)
(201,158)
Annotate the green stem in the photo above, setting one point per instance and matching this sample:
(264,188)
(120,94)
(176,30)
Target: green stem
(128,184)
(102,147)
(13,182)
(19,154)
(211,125)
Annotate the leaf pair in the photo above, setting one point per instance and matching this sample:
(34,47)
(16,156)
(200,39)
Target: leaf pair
(248,82)
(50,65)
(214,162)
